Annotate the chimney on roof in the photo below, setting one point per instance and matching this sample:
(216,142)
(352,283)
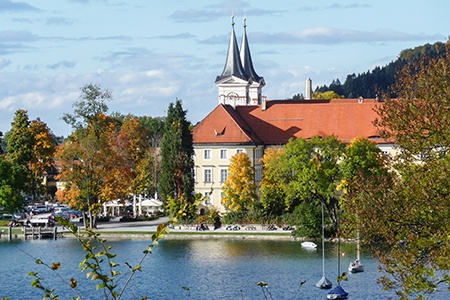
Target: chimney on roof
(263,104)
(308,91)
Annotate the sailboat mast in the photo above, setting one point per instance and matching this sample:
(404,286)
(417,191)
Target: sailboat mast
(339,252)
(323,245)
(357,244)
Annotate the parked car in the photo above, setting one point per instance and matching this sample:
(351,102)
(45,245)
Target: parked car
(6,217)
(39,209)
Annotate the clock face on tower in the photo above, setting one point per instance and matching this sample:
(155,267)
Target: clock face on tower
(232,98)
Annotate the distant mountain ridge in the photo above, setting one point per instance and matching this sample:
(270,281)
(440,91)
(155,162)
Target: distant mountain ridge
(369,84)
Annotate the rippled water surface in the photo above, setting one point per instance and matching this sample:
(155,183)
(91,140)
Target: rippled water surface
(210,268)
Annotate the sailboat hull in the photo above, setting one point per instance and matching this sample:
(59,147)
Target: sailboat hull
(356,267)
(337,293)
(324,283)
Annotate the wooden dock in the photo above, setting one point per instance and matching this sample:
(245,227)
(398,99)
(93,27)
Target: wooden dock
(31,233)
(40,232)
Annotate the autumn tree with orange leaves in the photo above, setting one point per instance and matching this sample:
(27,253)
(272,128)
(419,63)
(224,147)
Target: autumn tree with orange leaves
(132,144)
(92,171)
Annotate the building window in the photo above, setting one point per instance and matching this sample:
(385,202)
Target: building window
(258,153)
(239,150)
(195,174)
(223,153)
(223,175)
(207,154)
(207,197)
(258,173)
(208,175)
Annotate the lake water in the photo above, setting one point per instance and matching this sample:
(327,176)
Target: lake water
(211,268)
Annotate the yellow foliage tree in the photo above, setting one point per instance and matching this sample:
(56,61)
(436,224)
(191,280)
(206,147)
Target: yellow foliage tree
(239,188)
(271,191)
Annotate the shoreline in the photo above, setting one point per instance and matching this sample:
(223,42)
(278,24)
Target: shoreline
(195,235)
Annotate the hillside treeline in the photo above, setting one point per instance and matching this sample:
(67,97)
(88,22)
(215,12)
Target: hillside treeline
(370,84)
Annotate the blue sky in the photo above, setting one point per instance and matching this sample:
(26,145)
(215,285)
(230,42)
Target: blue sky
(149,53)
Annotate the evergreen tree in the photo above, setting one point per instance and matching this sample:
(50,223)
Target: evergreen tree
(20,140)
(177,164)
(20,143)
(12,183)
(373,83)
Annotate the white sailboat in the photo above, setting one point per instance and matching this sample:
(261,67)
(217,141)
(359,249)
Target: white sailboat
(356,266)
(323,283)
(338,292)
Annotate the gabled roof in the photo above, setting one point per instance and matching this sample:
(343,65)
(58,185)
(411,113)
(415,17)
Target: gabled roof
(225,126)
(285,119)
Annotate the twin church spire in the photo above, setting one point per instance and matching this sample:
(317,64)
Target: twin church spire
(239,84)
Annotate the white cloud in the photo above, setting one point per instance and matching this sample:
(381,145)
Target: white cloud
(7,104)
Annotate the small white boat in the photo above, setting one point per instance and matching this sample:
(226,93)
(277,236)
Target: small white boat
(356,267)
(309,245)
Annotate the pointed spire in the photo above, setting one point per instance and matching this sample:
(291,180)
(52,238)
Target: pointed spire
(246,57)
(233,65)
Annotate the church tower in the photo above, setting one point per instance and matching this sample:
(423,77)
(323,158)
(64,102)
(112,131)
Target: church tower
(239,84)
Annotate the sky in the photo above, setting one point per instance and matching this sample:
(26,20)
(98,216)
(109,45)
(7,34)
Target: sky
(151,53)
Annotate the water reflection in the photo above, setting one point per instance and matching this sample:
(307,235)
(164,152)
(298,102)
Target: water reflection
(211,268)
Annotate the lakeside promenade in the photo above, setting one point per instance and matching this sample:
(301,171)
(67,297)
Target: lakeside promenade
(115,228)
(144,229)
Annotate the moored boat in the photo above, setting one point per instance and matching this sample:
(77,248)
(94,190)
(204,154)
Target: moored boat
(323,283)
(356,266)
(309,245)
(337,293)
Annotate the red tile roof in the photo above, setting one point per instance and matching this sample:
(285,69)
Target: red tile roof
(284,119)
(224,125)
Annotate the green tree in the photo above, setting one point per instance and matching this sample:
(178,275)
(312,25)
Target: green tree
(2,143)
(20,141)
(12,183)
(156,128)
(90,106)
(312,173)
(239,190)
(363,162)
(177,165)
(31,146)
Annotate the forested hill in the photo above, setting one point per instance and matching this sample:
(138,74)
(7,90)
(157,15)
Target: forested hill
(368,84)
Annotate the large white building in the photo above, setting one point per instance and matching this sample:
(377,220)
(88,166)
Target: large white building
(245,121)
